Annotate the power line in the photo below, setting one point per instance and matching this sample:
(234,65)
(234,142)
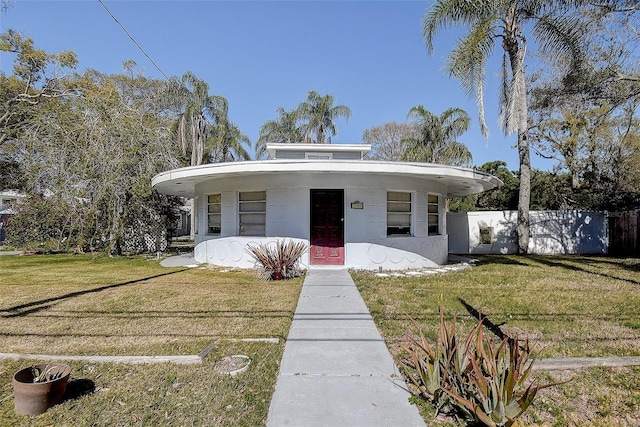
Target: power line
(133,40)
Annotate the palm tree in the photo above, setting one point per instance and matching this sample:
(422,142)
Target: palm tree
(284,129)
(198,109)
(437,137)
(504,22)
(319,113)
(228,141)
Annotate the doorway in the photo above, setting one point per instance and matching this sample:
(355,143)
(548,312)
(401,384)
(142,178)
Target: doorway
(327,227)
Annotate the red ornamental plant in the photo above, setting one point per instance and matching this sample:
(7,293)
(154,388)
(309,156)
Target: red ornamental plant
(278,262)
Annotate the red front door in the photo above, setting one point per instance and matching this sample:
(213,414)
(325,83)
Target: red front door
(327,227)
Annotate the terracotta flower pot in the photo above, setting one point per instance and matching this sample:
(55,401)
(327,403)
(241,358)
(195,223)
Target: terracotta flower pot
(35,398)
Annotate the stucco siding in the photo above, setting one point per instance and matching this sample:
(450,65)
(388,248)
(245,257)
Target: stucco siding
(232,251)
(288,216)
(288,212)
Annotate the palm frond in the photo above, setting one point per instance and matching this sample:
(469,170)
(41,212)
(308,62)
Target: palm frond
(467,62)
(561,35)
(445,13)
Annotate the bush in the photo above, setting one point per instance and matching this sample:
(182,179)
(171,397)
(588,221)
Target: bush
(279,262)
(473,378)
(46,224)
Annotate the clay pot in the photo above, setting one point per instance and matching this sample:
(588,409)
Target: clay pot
(35,398)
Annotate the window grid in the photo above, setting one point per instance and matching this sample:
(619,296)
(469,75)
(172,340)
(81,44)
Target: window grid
(398,213)
(252,206)
(214,214)
(433,218)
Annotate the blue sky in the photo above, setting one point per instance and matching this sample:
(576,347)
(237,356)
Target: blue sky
(261,55)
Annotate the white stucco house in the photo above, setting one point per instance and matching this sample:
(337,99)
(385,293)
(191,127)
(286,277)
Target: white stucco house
(349,211)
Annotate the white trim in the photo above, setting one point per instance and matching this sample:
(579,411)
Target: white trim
(459,181)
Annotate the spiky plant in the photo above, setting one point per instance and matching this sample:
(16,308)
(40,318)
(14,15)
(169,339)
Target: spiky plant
(279,262)
(473,378)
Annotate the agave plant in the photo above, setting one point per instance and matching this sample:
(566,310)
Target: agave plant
(473,378)
(279,262)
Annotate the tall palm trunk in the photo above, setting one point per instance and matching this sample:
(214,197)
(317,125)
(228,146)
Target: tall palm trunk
(519,93)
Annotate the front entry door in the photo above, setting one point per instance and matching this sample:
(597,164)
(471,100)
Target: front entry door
(327,227)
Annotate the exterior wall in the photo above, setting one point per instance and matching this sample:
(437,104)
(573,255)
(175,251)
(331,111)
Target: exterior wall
(288,216)
(552,232)
(231,251)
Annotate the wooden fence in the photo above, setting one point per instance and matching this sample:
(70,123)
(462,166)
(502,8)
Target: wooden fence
(623,233)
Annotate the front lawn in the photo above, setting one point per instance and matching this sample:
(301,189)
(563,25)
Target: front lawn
(567,306)
(86,305)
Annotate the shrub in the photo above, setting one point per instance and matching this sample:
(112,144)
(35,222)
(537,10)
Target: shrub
(475,378)
(279,262)
(46,224)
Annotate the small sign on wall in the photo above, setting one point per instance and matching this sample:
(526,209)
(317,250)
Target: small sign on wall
(357,205)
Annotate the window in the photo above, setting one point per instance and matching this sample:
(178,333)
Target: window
(398,213)
(433,216)
(252,206)
(318,156)
(7,203)
(214,215)
(486,235)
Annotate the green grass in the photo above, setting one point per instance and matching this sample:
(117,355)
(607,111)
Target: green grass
(85,305)
(567,306)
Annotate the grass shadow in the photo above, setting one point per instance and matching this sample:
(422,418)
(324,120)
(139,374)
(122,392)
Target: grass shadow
(43,304)
(546,261)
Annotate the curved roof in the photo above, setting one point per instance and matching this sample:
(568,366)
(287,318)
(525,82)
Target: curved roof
(459,181)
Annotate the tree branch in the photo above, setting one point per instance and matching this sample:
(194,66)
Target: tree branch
(623,77)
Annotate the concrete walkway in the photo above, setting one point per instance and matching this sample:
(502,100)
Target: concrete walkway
(336,369)
(10,252)
(182,260)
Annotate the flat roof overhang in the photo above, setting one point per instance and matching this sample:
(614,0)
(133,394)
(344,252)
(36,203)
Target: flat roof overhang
(459,181)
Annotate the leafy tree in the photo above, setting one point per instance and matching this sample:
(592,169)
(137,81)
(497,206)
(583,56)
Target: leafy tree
(549,191)
(96,153)
(436,141)
(389,141)
(502,198)
(588,121)
(283,130)
(319,114)
(37,77)
(492,22)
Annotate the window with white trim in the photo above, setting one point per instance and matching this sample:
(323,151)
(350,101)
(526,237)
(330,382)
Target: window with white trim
(214,213)
(252,208)
(433,216)
(398,213)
